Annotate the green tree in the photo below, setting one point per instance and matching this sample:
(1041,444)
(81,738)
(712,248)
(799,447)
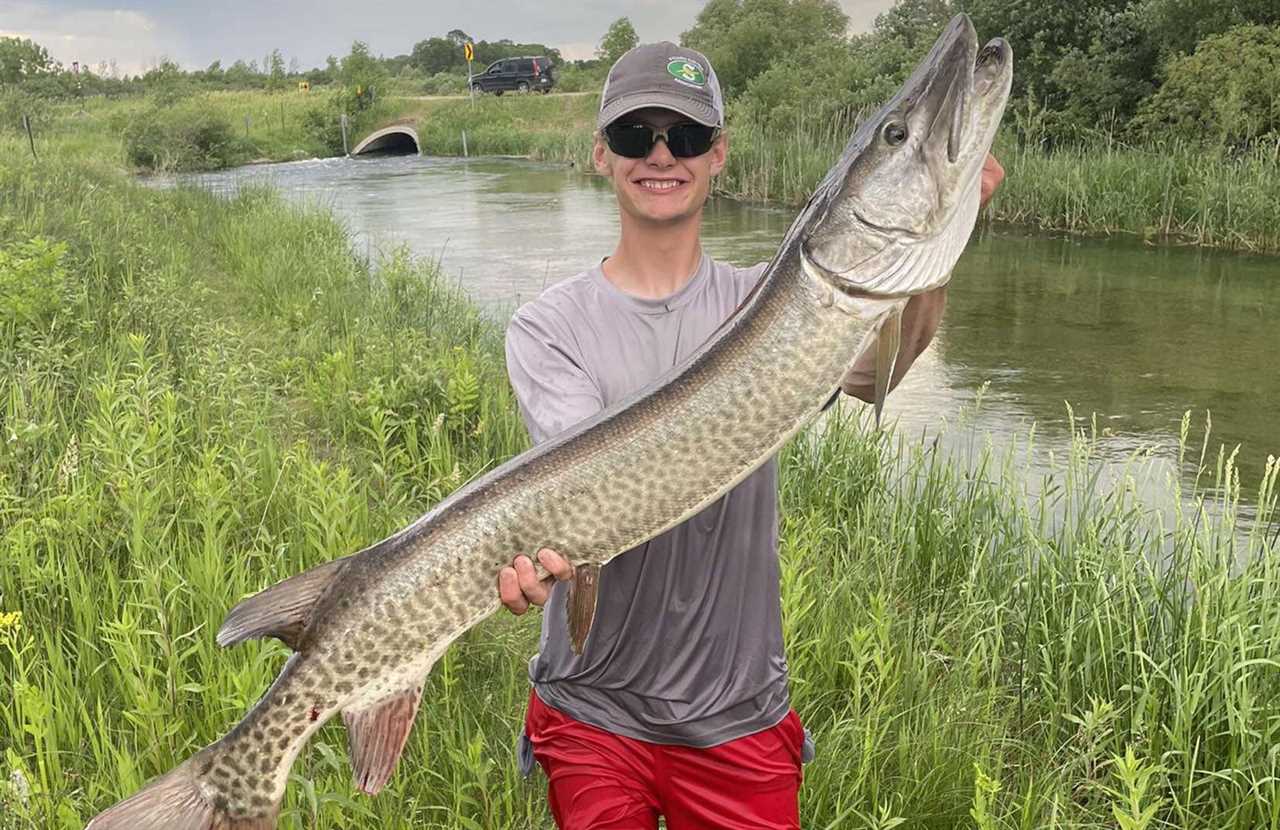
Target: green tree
(1041,33)
(1176,26)
(617,41)
(1103,85)
(362,74)
(22,59)
(915,23)
(1227,91)
(743,38)
(436,54)
(276,73)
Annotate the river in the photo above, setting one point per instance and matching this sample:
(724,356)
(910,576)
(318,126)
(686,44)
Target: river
(1130,336)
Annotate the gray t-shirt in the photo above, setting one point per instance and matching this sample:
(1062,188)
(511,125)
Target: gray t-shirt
(686,646)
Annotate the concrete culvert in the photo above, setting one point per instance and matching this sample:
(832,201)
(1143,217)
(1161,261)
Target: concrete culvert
(389,141)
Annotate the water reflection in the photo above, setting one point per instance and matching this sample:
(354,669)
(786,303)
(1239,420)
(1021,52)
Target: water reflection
(1136,334)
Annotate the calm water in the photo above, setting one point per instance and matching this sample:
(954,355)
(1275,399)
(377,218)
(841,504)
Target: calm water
(1134,334)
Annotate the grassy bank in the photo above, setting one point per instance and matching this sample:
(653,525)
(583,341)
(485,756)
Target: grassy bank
(199,131)
(200,397)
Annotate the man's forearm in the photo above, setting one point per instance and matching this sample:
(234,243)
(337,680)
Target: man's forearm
(920,321)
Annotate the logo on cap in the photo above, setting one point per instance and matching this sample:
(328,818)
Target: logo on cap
(686,71)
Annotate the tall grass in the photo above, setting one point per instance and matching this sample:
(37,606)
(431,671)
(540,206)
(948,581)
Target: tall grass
(224,395)
(1176,191)
(543,127)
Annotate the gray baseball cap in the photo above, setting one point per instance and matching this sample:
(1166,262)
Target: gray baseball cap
(662,75)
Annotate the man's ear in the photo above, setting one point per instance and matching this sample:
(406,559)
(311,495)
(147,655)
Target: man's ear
(719,153)
(600,156)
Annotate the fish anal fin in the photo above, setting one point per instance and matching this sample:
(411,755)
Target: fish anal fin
(888,342)
(281,611)
(376,737)
(175,802)
(580,609)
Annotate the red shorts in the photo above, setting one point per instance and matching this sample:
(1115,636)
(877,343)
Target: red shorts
(604,781)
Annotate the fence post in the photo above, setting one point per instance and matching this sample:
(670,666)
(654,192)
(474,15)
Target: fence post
(345,151)
(465,154)
(26,125)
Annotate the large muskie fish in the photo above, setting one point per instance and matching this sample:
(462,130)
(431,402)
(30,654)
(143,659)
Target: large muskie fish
(888,222)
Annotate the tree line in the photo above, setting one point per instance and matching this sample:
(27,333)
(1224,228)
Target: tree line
(1127,69)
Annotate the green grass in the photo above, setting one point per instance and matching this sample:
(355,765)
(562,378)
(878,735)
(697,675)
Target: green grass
(266,126)
(202,397)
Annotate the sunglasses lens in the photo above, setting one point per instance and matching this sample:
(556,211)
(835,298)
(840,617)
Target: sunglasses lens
(632,141)
(689,140)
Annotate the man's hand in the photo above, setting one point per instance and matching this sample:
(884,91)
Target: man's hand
(992,175)
(519,586)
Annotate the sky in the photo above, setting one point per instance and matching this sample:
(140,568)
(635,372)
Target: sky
(194,33)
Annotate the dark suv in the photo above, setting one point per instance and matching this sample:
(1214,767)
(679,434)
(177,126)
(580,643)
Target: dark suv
(519,74)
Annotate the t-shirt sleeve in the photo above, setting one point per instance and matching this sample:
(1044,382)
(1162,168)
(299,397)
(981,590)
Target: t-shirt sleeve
(553,389)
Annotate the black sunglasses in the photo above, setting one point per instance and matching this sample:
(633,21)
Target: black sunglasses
(634,140)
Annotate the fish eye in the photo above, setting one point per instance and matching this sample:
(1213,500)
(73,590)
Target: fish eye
(895,132)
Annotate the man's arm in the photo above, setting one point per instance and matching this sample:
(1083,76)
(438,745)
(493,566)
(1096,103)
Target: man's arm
(920,318)
(554,394)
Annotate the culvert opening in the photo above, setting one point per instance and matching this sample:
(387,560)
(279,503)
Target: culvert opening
(389,142)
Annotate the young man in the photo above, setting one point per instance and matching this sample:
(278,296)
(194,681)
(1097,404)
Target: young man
(678,704)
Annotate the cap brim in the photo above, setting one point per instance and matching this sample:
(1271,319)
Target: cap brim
(688,107)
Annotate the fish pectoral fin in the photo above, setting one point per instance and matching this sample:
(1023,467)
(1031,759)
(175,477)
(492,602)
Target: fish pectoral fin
(580,610)
(376,737)
(888,342)
(281,611)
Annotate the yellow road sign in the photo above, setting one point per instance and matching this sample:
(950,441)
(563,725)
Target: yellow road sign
(469,51)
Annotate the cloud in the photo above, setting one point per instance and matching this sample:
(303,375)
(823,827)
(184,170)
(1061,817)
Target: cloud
(194,33)
(92,36)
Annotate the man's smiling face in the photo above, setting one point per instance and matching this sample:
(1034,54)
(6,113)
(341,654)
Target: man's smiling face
(660,187)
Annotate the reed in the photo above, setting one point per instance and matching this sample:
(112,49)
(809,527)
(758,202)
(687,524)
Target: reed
(204,396)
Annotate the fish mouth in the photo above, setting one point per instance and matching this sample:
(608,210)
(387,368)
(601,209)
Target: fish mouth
(952,103)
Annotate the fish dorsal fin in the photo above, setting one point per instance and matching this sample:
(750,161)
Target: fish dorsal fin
(281,611)
(580,609)
(376,737)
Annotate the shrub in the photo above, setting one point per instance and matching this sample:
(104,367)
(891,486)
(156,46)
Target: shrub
(1225,92)
(570,78)
(33,281)
(445,83)
(182,138)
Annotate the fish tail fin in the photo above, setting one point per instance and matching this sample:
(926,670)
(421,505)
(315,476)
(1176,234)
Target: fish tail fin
(176,801)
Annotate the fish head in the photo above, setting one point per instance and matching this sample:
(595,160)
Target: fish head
(893,215)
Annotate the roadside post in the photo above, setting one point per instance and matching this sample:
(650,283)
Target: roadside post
(469,52)
(343,122)
(26,125)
